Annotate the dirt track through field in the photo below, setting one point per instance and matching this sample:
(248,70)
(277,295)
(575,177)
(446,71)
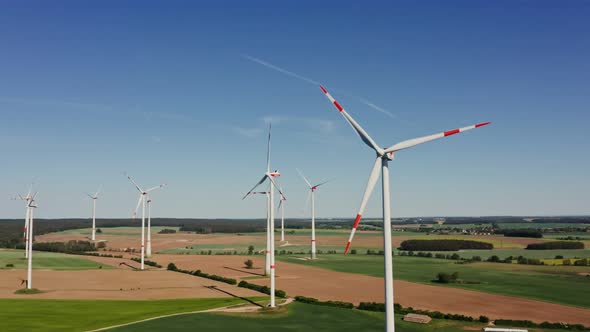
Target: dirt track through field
(331,285)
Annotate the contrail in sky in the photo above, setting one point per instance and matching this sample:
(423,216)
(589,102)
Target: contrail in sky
(309,80)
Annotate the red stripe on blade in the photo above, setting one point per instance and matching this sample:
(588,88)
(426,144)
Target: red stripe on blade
(482,124)
(347,247)
(452,132)
(356,221)
(323,89)
(272,266)
(338,106)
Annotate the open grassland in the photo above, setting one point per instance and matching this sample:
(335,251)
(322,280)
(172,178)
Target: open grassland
(297,317)
(558,284)
(47,261)
(83,315)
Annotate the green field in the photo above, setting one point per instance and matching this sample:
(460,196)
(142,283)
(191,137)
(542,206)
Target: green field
(48,260)
(83,315)
(564,282)
(503,253)
(297,317)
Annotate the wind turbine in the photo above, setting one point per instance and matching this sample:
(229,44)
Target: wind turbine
(383,157)
(27,200)
(312,189)
(142,200)
(94,198)
(270,236)
(30,208)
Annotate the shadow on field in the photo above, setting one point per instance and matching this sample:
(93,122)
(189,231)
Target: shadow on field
(248,272)
(233,295)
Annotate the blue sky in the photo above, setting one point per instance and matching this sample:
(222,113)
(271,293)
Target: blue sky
(169,92)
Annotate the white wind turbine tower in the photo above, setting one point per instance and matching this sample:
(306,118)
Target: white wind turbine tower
(30,207)
(282,207)
(381,162)
(270,246)
(94,198)
(142,200)
(312,189)
(27,200)
(148,252)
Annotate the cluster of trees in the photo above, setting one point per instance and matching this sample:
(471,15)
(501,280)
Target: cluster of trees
(261,289)
(311,300)
(527,232)
(70,247)
(199,273)
(443,245)
(555,245)
(167,231)
(446,278)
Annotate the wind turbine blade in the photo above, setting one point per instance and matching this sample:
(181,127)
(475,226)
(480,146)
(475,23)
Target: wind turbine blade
(135,184)
(268,149)
(137,206)
(156,187)
(415,141)
(359,130)
(98,191)
(257,184)
(368,191)
(304,178)
(322,183)
(88,194)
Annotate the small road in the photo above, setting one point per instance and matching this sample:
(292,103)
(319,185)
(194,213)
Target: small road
(233,309)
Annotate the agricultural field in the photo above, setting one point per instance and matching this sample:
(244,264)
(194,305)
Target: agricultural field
(526,281)
(115,230)
(75,315)
(297,317)
(47,261)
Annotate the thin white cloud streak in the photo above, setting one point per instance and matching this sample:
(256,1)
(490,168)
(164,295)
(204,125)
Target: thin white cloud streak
(281,70)
(309,80)
(377,108)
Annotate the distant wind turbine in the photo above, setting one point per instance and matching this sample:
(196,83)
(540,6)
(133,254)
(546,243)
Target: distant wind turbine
(312,189)
(270,246)
(30,206)
(381,163)
(142,200)
(94,198)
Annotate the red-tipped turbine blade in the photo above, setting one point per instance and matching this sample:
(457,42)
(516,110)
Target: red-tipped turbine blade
(415,141)
(368,191)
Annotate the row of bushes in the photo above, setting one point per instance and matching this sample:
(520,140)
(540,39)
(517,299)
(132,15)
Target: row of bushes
(98,255)
(311,300)
(555,245)
(546,325)
(199,273)
(261,289)
(444,245)
(533,233)
(146,262)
